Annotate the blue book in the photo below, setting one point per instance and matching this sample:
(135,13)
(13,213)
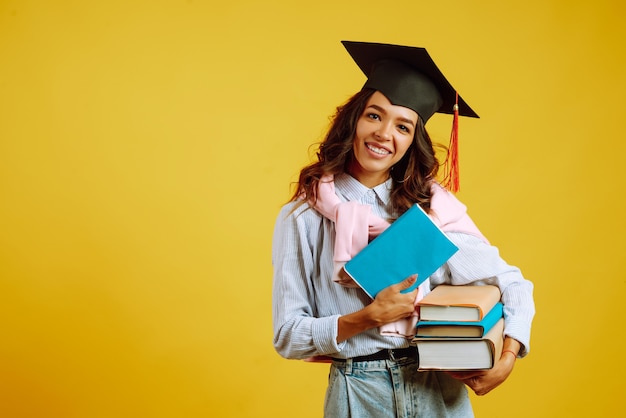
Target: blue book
(413,244)
(452,329)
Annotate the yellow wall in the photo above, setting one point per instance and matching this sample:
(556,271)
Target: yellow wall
(146,146)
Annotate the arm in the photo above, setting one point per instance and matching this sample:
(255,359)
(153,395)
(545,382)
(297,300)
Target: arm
(480,263)
(297,333)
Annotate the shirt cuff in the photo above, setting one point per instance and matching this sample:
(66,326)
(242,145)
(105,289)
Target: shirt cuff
(324,332)
(520,334)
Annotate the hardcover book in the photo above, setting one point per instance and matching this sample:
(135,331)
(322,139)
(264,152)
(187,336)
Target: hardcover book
(454,329)
(461,353)
(413,244)
(458,303)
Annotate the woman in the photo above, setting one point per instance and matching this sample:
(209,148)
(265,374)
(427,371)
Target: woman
(378,156)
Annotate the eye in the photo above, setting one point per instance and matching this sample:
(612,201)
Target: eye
(373,116)
(404,129)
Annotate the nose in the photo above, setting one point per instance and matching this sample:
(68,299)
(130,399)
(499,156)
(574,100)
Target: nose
(384,131)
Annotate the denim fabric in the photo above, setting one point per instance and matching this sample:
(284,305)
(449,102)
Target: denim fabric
(393,389)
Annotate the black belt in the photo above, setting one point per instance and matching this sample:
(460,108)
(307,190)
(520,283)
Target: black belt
(395,354)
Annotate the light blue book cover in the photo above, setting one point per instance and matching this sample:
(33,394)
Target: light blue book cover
(413,244)
(427,329)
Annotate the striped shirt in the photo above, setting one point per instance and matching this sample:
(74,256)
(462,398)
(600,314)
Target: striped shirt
(307,303)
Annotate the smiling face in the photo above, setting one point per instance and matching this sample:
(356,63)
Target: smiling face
(384,133)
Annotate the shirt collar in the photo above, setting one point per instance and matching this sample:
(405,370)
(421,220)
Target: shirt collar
(353,190)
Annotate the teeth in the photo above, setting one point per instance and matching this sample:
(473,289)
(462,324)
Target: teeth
(377,150)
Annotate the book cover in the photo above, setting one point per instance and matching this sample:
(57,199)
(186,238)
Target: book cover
(413,244)
(461,353)
(454,329)
(458,303)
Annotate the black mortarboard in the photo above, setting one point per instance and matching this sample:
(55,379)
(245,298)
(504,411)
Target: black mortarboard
(408,77)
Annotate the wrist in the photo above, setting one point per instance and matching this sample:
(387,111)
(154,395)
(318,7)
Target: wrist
(509,352)
(371,316)
(355,323)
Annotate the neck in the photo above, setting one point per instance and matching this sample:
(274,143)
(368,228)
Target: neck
(367,179)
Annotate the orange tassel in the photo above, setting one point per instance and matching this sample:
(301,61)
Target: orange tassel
(451,166)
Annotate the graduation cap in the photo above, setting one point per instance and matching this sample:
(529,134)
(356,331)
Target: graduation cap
(409,77)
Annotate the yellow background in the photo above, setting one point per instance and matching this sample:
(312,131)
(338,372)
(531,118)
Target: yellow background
(146,147)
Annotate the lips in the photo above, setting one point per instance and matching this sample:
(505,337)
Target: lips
(377,149)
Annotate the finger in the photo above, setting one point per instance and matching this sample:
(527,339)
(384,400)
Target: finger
(408,282)
(475,383)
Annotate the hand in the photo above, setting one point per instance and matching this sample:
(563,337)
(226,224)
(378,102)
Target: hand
(484,381)
(391,304)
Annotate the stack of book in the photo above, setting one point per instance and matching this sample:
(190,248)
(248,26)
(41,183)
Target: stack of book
(460,328)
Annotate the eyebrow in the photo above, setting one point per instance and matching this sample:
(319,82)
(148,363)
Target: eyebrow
(380,109)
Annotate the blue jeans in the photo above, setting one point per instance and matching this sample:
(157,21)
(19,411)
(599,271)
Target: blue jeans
(393,389)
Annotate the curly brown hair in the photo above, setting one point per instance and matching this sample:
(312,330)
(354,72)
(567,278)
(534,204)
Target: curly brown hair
(412,175)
